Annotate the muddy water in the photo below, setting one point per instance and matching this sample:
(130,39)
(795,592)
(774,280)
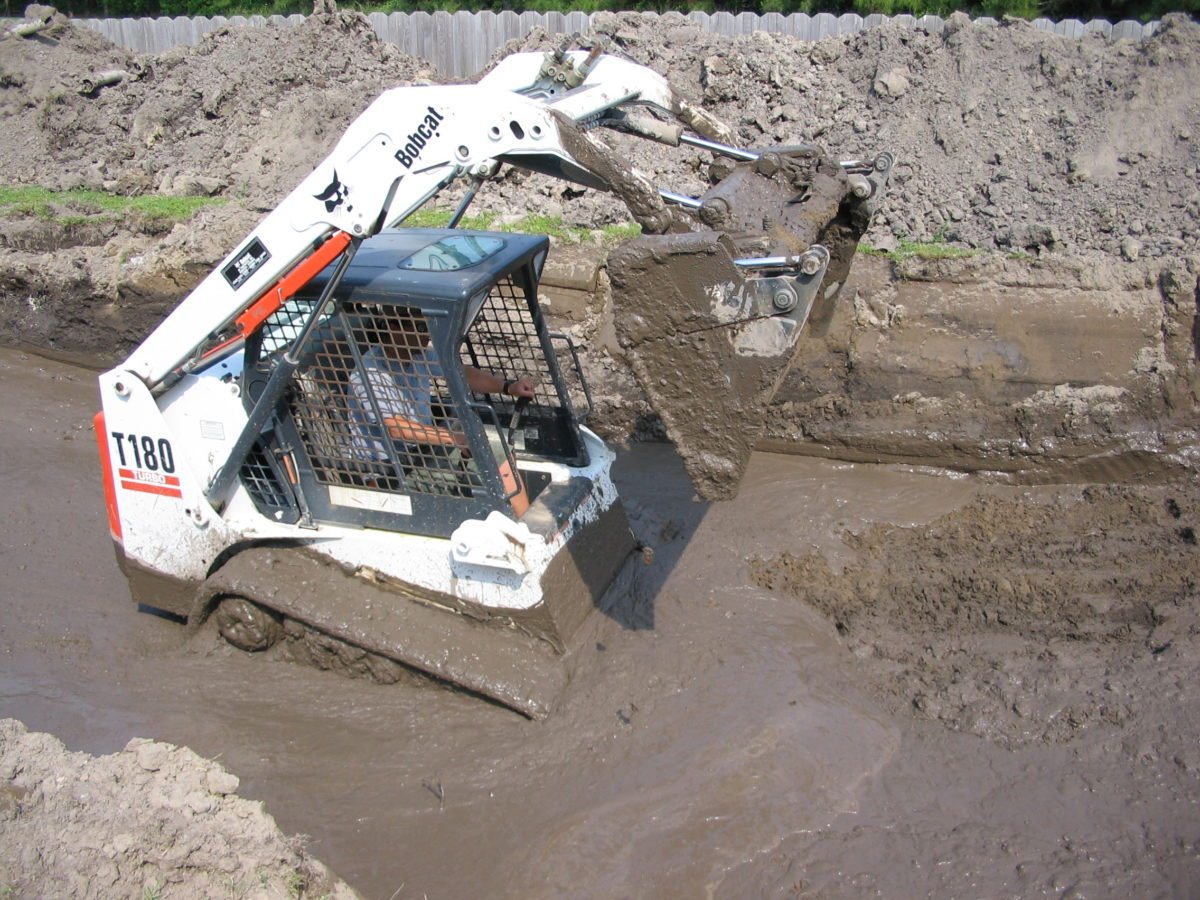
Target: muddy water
(714,738)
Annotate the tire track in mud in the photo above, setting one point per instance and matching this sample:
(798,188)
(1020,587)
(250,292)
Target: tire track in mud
(1021,620)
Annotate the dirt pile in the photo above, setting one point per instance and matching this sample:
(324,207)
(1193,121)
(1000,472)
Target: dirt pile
(245,114)
(153,820)
(1005,136)
(1026,620)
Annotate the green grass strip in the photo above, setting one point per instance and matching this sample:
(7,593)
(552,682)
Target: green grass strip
(919,250)
(74,207)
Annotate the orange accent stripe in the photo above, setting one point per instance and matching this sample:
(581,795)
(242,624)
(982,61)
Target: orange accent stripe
(511,481)
(152,488)
(300,275)
(110,492)
(133,476)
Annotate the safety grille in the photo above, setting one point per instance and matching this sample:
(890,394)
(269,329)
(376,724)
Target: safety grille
(373,408)
(504,339)
(283,326)
(262,482)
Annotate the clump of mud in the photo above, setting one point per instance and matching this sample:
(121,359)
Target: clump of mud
(1006,137)
(152,820)
(1025,620)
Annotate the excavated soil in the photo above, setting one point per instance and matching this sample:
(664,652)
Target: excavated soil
(853,679)
(245,114)
(1006,137)
(152,820)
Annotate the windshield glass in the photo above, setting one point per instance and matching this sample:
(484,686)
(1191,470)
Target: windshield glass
(456,251)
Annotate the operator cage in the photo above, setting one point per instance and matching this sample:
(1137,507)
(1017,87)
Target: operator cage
(410,302)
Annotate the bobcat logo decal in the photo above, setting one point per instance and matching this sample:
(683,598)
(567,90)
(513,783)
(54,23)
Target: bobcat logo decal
(334,195)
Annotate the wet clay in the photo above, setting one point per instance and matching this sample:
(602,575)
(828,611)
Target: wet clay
(715,736)
(1076,603)
(1012,365)
(710,401)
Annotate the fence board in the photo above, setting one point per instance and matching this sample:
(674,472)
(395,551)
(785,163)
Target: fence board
(459,44)
(849,23)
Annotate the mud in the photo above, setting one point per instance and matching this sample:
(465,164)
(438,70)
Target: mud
(1048,368)
(1040,631)
(681,349)
(716,736)
(710,346)
(384,623)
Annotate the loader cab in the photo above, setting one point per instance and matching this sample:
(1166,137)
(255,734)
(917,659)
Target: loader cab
(379,427)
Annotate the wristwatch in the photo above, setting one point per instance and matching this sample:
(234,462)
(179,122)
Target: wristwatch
(508,382)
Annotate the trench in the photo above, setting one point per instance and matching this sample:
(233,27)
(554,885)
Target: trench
(728,744)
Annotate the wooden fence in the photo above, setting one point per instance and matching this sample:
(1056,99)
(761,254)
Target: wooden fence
(459,44)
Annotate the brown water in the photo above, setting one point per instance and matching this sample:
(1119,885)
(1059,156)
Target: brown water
(714,739)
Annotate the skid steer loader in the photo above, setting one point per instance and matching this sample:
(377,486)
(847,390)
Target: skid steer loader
(301,451)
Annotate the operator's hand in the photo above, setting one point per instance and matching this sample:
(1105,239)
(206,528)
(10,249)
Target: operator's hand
(521,388)
(460,441)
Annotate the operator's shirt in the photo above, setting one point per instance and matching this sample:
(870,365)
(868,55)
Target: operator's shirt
(400,389)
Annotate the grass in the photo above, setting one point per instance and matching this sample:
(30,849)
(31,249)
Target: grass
(552,226)
(295,884)
(77,207)
(934,249)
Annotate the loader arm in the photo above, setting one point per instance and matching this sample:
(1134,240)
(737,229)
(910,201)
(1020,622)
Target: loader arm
(770,243)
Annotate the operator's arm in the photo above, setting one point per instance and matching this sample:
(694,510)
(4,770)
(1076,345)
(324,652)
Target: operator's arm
(483,382)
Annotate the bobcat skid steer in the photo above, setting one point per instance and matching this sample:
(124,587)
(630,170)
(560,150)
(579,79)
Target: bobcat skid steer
(298,450)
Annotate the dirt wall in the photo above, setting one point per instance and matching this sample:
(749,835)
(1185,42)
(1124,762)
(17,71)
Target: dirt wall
(990,362)
(1043,367)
